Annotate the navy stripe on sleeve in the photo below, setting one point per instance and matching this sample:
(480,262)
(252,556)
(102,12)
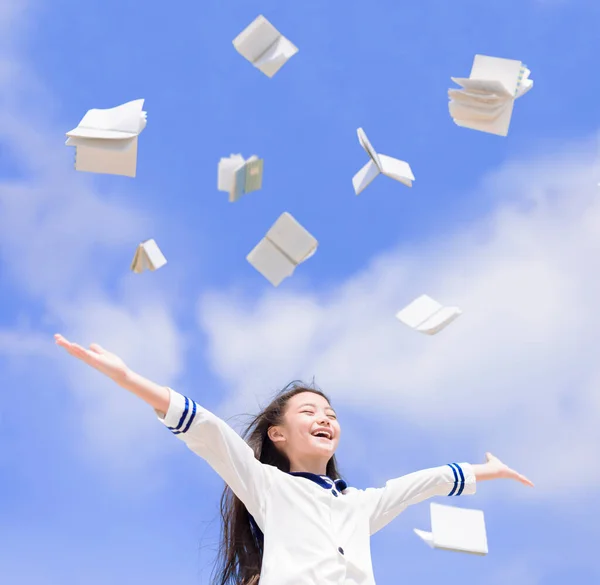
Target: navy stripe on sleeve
(185,411)
(455,480)
(462,479)
(457,484)
(187,427)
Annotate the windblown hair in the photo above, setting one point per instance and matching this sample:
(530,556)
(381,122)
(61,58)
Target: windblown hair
(241,548)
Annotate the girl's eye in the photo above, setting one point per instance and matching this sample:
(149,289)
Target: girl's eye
(333,416)
(308,412)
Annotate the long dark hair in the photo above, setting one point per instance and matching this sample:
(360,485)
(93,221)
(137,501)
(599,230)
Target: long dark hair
(241,548)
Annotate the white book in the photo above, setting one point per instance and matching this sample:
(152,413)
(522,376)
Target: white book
(486,100)
(286,245)
(427,315)
(238,176)
(379,164)
(147,257)
(105,141)
(264,46)
(456,529)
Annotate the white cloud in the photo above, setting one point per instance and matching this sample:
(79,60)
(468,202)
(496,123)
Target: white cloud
(516,374)
(61,243)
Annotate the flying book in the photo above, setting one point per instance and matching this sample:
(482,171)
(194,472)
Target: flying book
(147,257)
(487,97)
(456,529)
(379,164)
(106,141)
(286,245)
(238,176)
(264,46)
(427,316)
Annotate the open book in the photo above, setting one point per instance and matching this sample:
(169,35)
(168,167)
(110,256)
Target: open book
(379,164)
(147,257)
(105,141)
(427,316)
(264,46)
(487,97)
(238,176)
(456,529)
(286,245)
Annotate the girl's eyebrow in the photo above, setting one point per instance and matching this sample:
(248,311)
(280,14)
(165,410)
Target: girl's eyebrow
(314,406)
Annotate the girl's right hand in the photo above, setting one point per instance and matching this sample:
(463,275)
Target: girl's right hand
(100,359)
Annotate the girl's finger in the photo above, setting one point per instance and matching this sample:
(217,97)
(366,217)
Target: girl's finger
(96,348)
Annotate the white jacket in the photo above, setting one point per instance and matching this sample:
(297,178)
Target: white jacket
(312,535)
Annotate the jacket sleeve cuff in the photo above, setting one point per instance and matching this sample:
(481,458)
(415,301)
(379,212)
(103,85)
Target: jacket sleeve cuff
(177,413)
(464,482)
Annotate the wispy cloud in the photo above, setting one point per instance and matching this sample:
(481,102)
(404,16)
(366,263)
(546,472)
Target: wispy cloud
(65,245)
(517,373)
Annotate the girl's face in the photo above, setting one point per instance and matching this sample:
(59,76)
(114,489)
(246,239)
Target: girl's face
(310,432)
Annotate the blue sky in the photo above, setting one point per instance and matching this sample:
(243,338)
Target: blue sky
(94,489)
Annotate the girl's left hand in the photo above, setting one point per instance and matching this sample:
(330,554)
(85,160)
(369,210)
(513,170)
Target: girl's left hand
(495,469)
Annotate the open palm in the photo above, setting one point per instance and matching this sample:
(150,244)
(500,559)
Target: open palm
(97,357)
(501,470)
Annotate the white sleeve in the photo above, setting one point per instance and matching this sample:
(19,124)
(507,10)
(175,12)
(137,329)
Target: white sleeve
(222,448)
(384,504)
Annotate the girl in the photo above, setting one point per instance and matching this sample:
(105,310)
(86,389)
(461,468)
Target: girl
(288,517)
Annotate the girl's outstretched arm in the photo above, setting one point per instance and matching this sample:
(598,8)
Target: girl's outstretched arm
(454,479)
(204,433)
(114,367)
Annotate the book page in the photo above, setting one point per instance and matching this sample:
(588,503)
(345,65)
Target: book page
(427,537)
(276,56)
(256,38)
(476,98)
(439,320)
(116,145)
(506,71)
(470,112)
(485,86)
(366,144)
(270,262)
(458,529)
(397,170)
(418,311)
(154,255)
(126,118)
(291,238)
(365,177)
(499,126)
(226,171)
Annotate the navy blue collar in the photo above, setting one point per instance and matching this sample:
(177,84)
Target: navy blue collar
(322,480)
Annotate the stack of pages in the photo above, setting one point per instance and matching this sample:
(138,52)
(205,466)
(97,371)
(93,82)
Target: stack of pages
(379,164)
(487,97)
(456,529)
(238,176)
(264,46)
(105,141)
(286,245)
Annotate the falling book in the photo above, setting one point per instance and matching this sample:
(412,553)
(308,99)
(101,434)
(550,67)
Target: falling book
(264,46)
(487,97)
(456,529)
(106,141)
(147,257)
(379,164)
(286,245)
(427,315)
(238,176)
